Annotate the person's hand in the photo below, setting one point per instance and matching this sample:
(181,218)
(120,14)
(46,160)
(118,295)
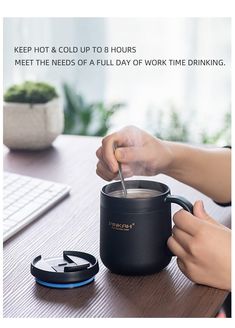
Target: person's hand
(202,247)
(137,151)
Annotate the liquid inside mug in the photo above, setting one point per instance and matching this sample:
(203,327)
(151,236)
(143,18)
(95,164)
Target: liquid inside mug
(134,230)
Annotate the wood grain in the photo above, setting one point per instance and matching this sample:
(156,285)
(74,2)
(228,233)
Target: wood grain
(74,225)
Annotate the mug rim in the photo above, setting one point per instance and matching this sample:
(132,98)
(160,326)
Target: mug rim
(147,182)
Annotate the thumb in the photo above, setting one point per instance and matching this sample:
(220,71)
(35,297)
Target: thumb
(199,211)
(129,154)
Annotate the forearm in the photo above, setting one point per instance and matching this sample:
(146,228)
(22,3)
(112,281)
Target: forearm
(208,171)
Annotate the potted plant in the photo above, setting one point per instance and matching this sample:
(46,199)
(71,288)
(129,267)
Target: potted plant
(33,116)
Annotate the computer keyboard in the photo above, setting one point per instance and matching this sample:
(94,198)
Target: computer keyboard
(25,199)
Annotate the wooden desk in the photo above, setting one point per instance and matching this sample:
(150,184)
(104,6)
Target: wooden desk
(74,225)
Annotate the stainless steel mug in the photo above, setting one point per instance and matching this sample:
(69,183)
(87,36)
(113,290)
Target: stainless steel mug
(134,230)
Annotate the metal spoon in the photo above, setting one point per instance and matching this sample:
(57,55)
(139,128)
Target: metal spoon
(120,174)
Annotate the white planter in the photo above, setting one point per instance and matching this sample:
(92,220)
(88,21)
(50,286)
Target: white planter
(32,127)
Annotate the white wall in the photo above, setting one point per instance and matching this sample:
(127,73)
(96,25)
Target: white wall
(201,94)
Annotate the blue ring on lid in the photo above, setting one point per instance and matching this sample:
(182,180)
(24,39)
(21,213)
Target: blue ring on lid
(64,286)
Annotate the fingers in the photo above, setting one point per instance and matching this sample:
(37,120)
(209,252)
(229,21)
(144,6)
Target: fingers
(190,223)
(106,155)
(126,137)
(127,171)
(199,211)
(99,153)
(103,171)
(102,168)
(187,222)
(181,254)
(175,247)
(183,238)
(107,167)
(107,152)
(181,265)
(129,154)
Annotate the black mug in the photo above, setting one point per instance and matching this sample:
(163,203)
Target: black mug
(134,230)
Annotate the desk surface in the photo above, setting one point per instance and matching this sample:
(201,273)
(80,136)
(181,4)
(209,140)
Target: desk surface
(74,225)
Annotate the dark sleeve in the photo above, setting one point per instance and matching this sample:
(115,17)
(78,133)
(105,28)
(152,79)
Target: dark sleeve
(225,204)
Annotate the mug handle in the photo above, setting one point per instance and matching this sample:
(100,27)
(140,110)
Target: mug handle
(180,201)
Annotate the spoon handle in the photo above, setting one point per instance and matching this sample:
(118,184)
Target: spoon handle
(121,175)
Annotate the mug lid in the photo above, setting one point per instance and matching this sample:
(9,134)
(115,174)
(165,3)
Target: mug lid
(73,269)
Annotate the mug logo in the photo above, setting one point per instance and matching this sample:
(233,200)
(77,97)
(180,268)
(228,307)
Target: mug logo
(121,226)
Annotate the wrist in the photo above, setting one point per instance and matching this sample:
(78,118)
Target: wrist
(171,156)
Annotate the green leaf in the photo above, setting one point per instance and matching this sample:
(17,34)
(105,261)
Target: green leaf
(84,118)
(30,92)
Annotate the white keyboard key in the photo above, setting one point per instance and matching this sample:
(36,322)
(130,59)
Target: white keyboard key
(6,228)
(24,212)
(56,187)
(40,201)
(9,223)
(9,211)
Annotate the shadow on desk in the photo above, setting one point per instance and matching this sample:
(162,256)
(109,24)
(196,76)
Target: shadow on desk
(76,298)
(137,296)
(156,295)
